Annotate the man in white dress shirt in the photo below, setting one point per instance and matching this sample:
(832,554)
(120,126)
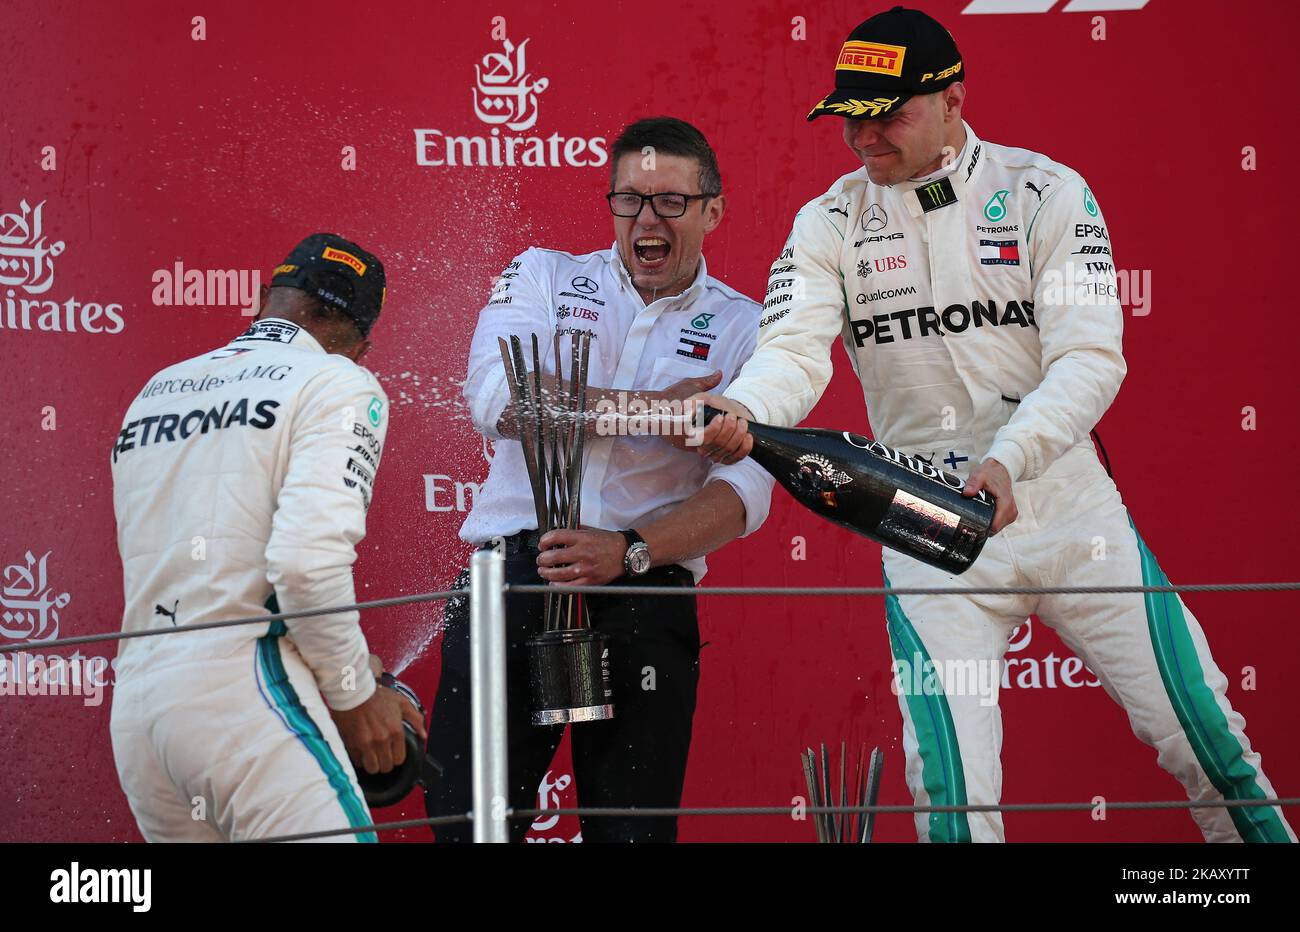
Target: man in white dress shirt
(661,328)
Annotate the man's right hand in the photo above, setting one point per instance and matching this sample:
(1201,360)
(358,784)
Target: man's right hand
(372,732)
(725,439)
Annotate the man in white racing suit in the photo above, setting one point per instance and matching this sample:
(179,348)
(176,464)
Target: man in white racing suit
(241,480)
(974,289)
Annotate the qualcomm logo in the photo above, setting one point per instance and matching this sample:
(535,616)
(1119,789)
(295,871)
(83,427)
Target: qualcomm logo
(1045,6)
(506,94)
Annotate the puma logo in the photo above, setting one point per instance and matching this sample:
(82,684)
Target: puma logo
(159,610)
(837,210)
(1033,187)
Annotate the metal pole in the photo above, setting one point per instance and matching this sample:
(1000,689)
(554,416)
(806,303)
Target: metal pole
(487,683)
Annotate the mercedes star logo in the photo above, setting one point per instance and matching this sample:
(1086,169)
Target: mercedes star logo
(584,284)
(874,218)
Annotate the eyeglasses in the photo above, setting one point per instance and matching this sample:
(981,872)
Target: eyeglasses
(665,206)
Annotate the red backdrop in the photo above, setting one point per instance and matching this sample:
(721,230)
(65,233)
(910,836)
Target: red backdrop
(221,152)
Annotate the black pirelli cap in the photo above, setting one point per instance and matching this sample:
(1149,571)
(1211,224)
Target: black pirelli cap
(887,61)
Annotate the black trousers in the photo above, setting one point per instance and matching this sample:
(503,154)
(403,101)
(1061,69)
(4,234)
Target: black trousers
(635,759)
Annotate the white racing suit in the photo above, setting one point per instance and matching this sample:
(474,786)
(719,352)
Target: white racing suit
(979,309)
(241,479)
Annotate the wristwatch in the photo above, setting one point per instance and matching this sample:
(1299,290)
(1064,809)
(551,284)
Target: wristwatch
(636,562)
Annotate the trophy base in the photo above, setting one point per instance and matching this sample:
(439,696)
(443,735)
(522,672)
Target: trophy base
(569,674)
(591,713)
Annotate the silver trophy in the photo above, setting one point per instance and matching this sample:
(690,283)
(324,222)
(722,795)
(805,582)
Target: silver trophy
(843,827)
(569,661)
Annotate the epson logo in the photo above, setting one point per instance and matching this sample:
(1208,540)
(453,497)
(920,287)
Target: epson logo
(1082,230)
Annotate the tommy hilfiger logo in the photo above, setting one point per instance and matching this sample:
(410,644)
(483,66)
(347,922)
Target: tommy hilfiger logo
(693,349)
(999,252)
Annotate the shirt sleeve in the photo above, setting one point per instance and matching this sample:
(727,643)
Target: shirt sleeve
(337,440)
(803,313)
(754,486)
(518,305)
(1080,326)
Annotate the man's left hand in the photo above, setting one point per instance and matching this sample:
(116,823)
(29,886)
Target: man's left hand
(993,477)
(584,557)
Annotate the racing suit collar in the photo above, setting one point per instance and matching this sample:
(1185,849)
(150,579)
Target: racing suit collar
(278,331)
(624,279)
(961,174)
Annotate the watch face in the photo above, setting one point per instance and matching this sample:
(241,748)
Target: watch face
(638,559)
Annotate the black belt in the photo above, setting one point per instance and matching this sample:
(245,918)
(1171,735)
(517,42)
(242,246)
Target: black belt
(518,543)
(527,542)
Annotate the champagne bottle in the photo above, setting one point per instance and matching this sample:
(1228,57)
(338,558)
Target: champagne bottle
(895,499)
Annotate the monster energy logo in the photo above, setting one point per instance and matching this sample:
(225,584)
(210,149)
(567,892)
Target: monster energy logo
(936,194)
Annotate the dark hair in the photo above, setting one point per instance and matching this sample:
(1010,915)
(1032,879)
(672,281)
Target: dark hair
(671,136)
(286,299)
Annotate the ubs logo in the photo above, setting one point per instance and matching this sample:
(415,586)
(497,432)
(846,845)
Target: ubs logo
(581,313)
